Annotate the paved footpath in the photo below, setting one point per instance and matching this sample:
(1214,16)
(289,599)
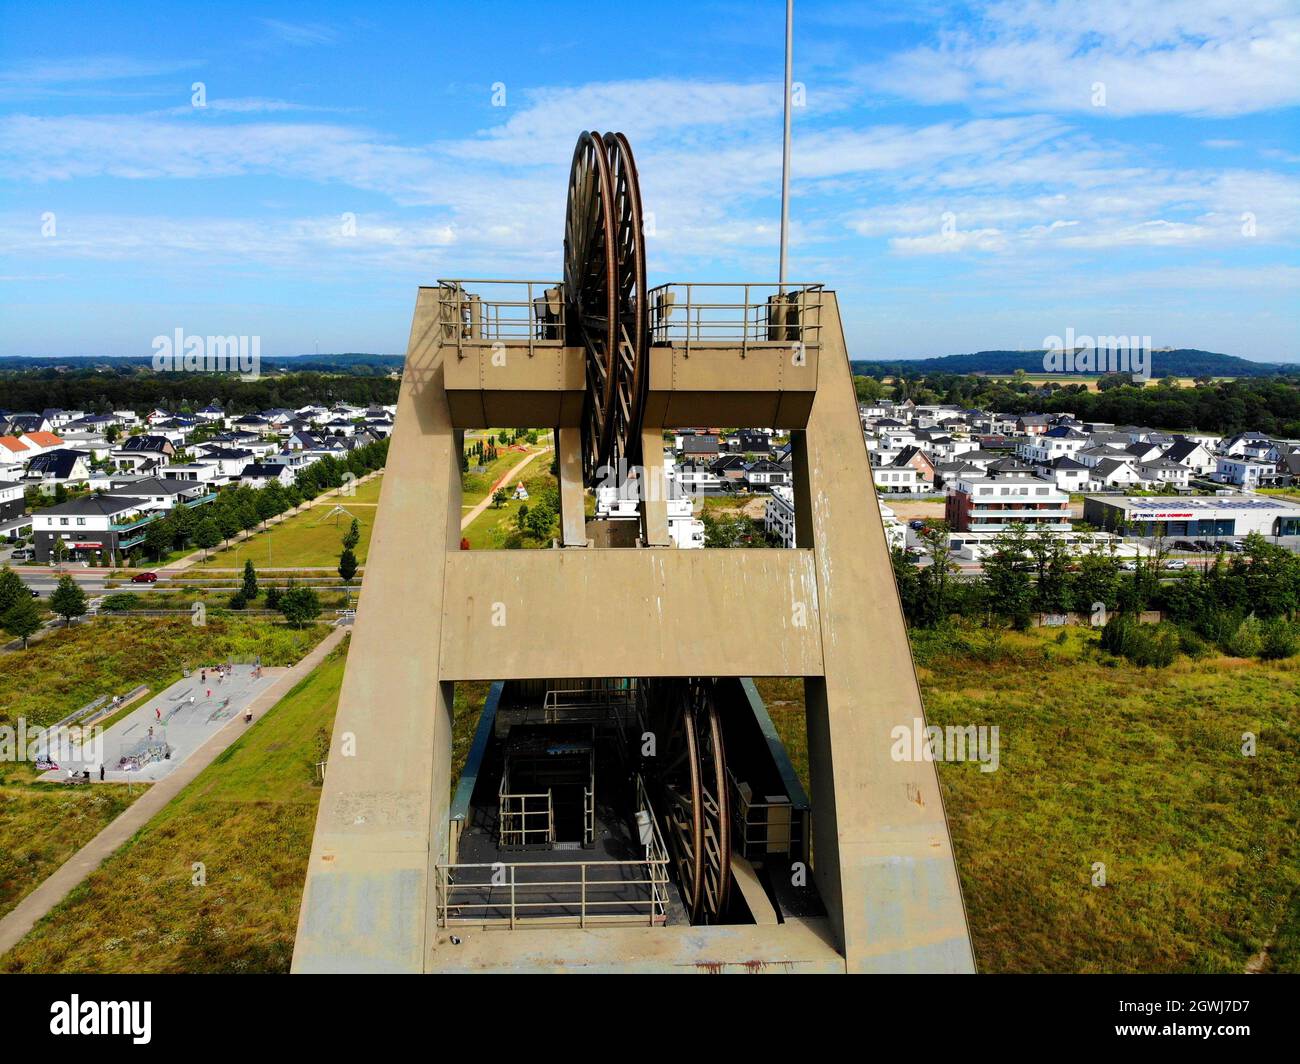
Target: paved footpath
(82,863)
(468,519)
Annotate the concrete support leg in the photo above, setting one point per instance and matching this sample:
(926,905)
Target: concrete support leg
(382,822)
(654,499)
(573,521)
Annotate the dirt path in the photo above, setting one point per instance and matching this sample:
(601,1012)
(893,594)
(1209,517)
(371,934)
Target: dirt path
(468,519)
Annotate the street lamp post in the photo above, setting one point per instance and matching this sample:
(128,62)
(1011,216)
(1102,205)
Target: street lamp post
(785,141)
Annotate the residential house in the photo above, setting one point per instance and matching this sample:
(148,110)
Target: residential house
(260,474)
(60,466)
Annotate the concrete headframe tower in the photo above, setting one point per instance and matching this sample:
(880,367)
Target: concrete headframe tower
(626,803)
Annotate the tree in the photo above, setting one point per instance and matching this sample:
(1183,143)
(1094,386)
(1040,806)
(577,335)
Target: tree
(934,580)
(250,581)
(353,536)
(158,538)
(12,590)
(1006,576)
(300,606)
(540,521)
(347,567)
(868,389)
(68,600)
(207,535)
(1052,561)
(22,619)
(499,498)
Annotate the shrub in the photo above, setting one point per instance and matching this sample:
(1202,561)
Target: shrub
(1279,638)
(238,600)
(1245,641)
(123,600)
(272,597)
(1148,645)
(1192,644)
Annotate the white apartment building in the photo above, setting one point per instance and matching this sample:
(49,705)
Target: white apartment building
(992,504)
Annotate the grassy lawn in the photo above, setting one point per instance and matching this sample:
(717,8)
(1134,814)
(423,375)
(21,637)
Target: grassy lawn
(306,539)
(495,529)
(42,825)
(367,494)
(249,819)
(475,486)
(73,666)
(1137,768)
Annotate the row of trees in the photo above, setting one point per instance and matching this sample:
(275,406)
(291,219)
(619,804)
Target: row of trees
(102,391)
(1029,571)
(243,508)
(1266,404)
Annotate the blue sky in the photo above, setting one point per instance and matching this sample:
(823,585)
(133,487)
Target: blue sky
(967,176)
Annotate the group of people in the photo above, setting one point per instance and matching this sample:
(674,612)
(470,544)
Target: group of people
(220,671)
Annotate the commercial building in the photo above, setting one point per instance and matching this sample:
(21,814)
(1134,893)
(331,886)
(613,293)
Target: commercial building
(1195,515)
(95,528)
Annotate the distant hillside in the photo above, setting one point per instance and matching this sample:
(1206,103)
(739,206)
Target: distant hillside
(1183,362)
(356,364)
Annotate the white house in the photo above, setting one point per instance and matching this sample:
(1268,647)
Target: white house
(1246,473)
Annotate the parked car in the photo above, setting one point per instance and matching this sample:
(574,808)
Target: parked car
(1183,544)
(144,578)
(1175,563)
(22,554)
(916,524)
(1236,546)
(1129,566)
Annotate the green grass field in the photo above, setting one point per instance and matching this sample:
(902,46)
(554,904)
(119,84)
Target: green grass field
(306,539)
(43,824)
(497,528)
(73,666)
(475,486)
(1140,769)
(1101,761)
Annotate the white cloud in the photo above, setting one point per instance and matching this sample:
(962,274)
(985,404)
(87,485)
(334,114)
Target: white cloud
(1197,57)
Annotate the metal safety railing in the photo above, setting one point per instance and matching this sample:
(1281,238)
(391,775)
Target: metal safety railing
(720,314)
(517,816)
(559,893)
(478,311)
(766,827)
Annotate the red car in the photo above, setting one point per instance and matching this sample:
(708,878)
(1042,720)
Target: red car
(144,578)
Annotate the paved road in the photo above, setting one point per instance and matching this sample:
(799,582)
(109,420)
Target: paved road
(82,863)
